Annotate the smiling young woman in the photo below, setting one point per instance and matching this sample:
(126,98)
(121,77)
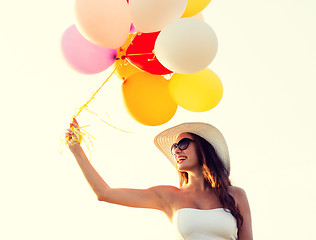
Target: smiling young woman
(205,206)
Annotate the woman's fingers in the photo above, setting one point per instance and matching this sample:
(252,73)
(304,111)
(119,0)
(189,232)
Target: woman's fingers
(74,123)
(69,133)
(73,135)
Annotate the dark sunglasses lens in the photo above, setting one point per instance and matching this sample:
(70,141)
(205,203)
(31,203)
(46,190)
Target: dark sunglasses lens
(182,144)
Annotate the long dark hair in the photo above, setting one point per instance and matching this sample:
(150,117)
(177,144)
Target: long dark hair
(216,176)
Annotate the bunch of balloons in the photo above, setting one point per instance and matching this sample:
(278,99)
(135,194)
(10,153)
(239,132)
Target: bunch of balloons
(160,49)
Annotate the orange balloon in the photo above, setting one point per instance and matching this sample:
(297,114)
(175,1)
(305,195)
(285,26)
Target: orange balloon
(148,100)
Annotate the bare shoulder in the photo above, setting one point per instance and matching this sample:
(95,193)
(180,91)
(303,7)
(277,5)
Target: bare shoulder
(167,195)
(238,194)
(234,190)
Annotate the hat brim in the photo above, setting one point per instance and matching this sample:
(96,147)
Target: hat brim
(166,138)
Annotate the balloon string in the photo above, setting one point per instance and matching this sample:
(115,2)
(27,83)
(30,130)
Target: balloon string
(95,93)
(153,59)
(79,132)
(85,106)
(106,121)
(138,54)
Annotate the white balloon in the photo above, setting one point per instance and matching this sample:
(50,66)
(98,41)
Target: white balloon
(186,46)
(154,15)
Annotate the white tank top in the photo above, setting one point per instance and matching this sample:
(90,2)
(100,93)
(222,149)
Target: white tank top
(213,224)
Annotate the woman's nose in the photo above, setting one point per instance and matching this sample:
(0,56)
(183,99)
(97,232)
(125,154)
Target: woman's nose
(177,150)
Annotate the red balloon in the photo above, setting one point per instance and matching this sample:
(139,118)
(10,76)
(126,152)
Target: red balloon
(140,53)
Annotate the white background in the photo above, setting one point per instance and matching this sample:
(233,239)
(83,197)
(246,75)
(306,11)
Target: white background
(266,61)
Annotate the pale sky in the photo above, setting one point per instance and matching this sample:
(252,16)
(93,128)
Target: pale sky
(266,61)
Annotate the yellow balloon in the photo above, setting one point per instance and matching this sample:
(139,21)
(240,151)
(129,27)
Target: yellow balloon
(197,92)
(124,69)
(194,7)
(148,100)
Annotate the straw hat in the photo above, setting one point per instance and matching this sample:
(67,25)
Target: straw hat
(165,139)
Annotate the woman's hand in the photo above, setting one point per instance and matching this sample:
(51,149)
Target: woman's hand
(73,135)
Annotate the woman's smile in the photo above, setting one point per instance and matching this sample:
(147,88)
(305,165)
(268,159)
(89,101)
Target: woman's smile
(180,158)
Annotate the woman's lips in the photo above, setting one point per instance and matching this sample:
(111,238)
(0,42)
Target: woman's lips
(180,159)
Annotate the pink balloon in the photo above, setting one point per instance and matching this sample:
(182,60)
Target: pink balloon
(84,56)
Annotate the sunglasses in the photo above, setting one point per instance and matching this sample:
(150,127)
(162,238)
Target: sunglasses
(182,145)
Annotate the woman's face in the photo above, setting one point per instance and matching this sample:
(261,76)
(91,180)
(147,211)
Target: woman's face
(187,159)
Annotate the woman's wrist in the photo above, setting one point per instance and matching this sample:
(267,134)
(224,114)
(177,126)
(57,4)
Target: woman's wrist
(74,147)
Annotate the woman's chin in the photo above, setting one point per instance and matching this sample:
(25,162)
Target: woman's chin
(181,167)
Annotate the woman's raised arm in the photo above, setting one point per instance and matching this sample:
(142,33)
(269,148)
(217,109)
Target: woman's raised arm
(155,197)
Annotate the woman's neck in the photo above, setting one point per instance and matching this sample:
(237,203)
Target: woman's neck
(196,182)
